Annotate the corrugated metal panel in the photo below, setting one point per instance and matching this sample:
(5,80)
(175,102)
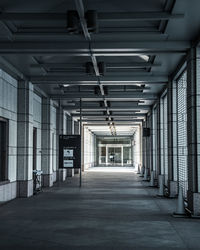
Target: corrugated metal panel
(182,151)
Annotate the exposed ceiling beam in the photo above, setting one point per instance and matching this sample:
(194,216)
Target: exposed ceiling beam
(131,65)
(130,123)
(97,122)
(102,16)
(113,115)
(87,80)
(120,108)
(42,34)
(97,48)
(119,96)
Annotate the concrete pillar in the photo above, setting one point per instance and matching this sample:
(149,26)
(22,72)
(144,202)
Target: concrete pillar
(158,139)
(144,156)
(152,150)
(76,171)
(25,139)
(60,120)
(69,125)
(73,126)
(172,138)
(149,145)
(70,172)
(46,143)
(106,155)
(193,129)
(61,173)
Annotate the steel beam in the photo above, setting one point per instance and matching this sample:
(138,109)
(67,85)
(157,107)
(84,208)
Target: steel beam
(119,96)
(108,65)
(115,115)
(102,16)
(98,48)
(106,80)
(120,108)
(117,120)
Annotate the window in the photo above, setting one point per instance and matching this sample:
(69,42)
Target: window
(3,149)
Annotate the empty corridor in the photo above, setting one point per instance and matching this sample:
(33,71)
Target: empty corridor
(112,210)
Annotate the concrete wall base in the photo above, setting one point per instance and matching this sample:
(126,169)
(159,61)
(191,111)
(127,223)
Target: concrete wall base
(25,188)
(8,191)
(160,179)
(47,180)
(70,172)
(173,189)
(196,204)
(77,171)
(55,176)
(62,174)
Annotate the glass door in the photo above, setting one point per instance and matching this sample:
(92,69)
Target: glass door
(114,156)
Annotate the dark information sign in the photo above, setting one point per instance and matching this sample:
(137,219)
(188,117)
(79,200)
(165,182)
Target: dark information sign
(70,151)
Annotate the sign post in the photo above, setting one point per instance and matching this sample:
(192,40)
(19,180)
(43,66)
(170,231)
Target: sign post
(69,151)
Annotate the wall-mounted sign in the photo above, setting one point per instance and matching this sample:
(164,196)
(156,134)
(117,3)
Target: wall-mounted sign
(70,151)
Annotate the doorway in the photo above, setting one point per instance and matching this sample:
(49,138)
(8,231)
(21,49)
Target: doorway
(114,156)
(3,149)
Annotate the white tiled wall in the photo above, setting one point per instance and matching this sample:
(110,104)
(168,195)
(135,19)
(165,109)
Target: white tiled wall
(8,110)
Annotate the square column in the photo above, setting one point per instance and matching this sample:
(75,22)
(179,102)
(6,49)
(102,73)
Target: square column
(172,138)
(193,128)
(25,139)
(61,129)
(158,140)
(47,167)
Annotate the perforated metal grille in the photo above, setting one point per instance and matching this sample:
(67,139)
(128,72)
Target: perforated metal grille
(155,141)
(165,139)
(182,152)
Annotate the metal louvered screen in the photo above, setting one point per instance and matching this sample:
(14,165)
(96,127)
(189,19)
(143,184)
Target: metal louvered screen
(182,153)
(155,141)
(165,139)
(161,139)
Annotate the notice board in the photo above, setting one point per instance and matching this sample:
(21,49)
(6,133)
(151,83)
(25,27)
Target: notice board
(70,151)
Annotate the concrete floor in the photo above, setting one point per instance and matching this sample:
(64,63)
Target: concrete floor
(112,210)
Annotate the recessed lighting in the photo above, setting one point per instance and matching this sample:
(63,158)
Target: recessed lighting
(66,85)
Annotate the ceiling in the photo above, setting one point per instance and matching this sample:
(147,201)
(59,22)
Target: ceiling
(115,56)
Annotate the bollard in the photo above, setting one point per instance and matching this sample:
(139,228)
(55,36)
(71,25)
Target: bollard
(180,208)
(161,185)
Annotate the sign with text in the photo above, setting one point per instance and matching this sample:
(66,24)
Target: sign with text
(70,151)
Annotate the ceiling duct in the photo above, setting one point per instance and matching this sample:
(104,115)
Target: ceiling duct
(102,68)
(92,23)
(72,21)
(89,68)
